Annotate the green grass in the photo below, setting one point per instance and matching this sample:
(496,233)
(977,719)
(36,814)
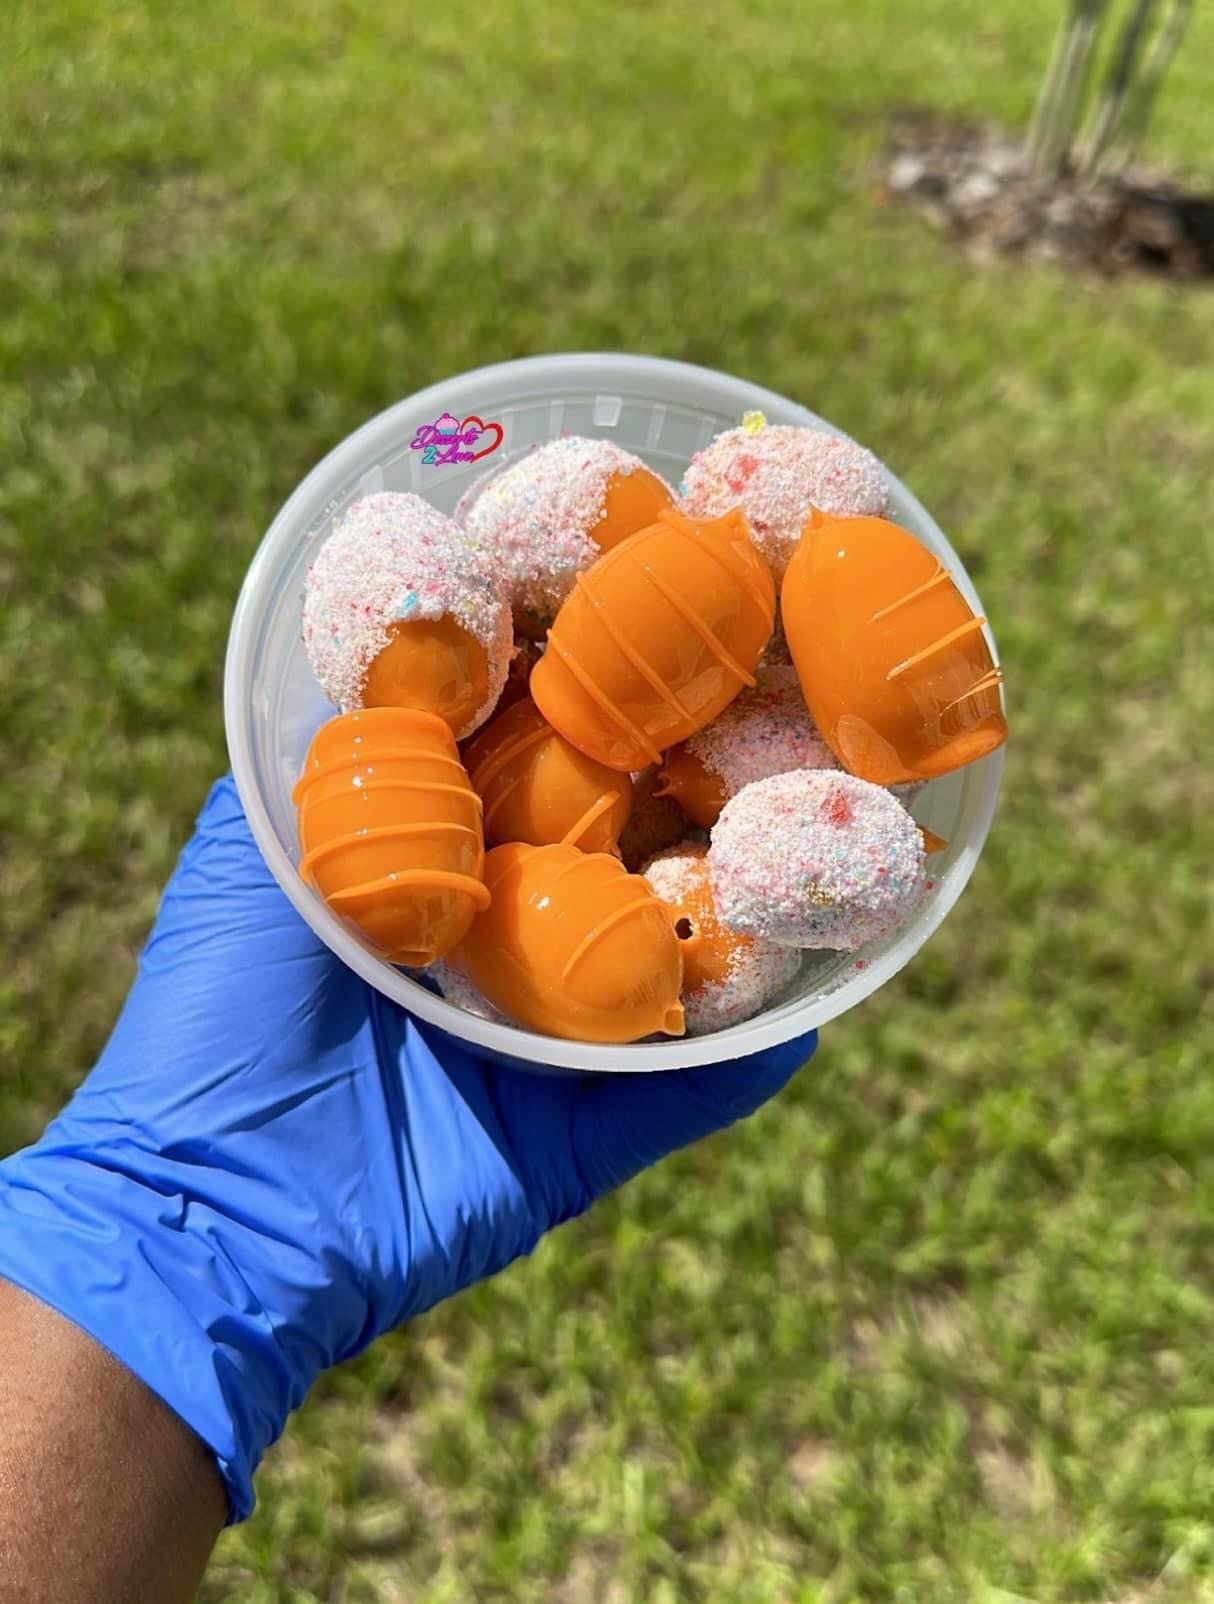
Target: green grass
(937,1325)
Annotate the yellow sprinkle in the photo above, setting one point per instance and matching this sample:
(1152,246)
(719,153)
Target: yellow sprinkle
(752,422)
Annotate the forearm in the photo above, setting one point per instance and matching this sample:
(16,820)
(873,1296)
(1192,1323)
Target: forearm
(106,1497)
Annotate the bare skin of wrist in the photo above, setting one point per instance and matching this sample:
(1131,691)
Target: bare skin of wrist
(106,1497)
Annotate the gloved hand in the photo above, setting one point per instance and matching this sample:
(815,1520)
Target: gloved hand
(271,1164)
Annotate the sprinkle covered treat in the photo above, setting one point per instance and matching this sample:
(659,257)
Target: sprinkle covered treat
(816,859)
(402,609)
(727,977)
(546,518)
(777,473)
(766,730)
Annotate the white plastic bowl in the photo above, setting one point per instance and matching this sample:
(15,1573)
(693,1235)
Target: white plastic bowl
(662,411)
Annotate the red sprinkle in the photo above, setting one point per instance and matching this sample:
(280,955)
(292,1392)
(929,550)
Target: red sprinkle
(837,810)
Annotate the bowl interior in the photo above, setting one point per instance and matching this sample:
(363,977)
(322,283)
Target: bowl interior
(664,412)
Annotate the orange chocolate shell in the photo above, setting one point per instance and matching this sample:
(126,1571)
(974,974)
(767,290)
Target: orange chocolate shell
(698,791)
(656,638)
(391,831)
(892,660)
(538,789)
(574,946)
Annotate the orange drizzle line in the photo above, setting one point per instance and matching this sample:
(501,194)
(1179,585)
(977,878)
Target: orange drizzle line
(741,573)
(383,832)
(582,861)
(436,787)
(598,695)
(971,624)
(690,617)
(600,930)
(490,767)
(595,811)
(919,590)
(626,649)
(391,754)
(499,802)
(988,682)
(513,867)
(404,878)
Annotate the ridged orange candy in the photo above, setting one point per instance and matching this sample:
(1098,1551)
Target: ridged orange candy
(575,946)
(538,789)
(891,658)
(391,831)
(656,638)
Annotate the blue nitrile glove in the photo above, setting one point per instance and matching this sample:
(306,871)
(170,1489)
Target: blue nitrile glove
(271,1164)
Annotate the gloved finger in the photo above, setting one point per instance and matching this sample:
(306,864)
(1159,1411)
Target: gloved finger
(221,879)
(223,915)
(624,1123)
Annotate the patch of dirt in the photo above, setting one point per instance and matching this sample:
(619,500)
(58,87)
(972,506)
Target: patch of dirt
(975,183)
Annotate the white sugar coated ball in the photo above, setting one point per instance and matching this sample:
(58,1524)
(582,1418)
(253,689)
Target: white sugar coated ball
(777,473)
(816,858)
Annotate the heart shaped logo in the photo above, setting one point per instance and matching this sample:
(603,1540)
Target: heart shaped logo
(485,428)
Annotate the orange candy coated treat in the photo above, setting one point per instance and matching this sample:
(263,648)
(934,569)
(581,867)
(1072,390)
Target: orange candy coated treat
(391,831)
(432,665)
(538,789)
(892,660)
(656,638)
(633,501)
(575,946)
(699,792)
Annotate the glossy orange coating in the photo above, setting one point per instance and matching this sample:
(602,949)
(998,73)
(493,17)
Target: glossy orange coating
(574,946)
(632,501)
(698,791)
(434,665)
(892,660)
(656,638)
(538,789)
(931,841)
(391,831)
(709,949)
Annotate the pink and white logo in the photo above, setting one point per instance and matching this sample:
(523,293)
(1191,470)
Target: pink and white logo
(451,439)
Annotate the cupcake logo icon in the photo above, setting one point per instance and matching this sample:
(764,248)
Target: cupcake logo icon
(450,439)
